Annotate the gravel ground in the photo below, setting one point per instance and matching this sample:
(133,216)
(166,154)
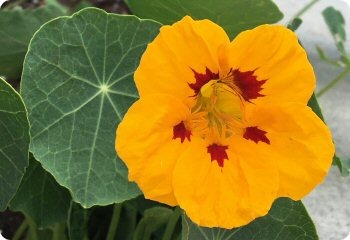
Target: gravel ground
(328,204)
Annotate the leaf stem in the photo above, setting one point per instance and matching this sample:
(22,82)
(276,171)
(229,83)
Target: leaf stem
(117,209)
(336,80)
(33,230)
(20,230)
(169,231)
(304,9)
(59,231)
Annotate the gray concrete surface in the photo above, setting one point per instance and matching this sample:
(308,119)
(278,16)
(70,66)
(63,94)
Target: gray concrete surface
(329,203)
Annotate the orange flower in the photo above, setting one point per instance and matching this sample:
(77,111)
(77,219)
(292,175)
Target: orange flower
(222,128)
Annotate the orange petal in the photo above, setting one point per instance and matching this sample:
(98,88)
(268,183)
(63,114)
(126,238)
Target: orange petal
(229,196)
(169,62)
(145,143)
(273,54)
(301,144)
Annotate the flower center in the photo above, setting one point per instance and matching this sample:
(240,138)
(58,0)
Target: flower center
(218,111)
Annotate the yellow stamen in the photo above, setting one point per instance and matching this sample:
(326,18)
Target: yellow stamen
(208,89)
(218,111)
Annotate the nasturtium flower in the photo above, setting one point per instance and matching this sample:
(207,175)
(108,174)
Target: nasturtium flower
(222,128)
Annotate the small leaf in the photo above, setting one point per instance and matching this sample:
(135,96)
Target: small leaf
(14,142)
(335,22)
(41,197)
(17,27)
(234,15)
(313,104)
(336,25)
(295,24)
(287,220)
(343,165)
(78,83)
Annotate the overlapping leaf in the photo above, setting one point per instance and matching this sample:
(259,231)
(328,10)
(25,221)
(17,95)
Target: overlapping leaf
(78,84)
(14,142)
(234,15)
(17,26)
(287,220)
(315,106)
(78,222)
(153,219)
(40,197)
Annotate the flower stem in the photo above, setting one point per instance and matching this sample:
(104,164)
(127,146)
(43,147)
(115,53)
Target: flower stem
(20,230)
(33,230)
(305,8)
(59,231)
(117,209)
(336,80)
(169,231)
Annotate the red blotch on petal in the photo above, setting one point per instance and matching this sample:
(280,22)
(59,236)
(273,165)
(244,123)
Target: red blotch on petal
(256,135)
(202,79)
(180,131)
(218,153)
(248,84)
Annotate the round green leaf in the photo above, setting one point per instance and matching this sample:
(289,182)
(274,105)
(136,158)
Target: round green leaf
(14,142)
(233,15)
(78,84)
(287,220)
(40,196)
(17,27)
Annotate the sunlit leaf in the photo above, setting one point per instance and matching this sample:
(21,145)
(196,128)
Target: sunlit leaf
(287,220)
(234,15)
(17,27)
(40,197)
(14,142)
(77,85)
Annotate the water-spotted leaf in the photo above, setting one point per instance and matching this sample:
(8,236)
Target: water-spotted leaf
(40,197)
(77,85)
(287,220)
(234,15)
(14,142)
(17,27)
